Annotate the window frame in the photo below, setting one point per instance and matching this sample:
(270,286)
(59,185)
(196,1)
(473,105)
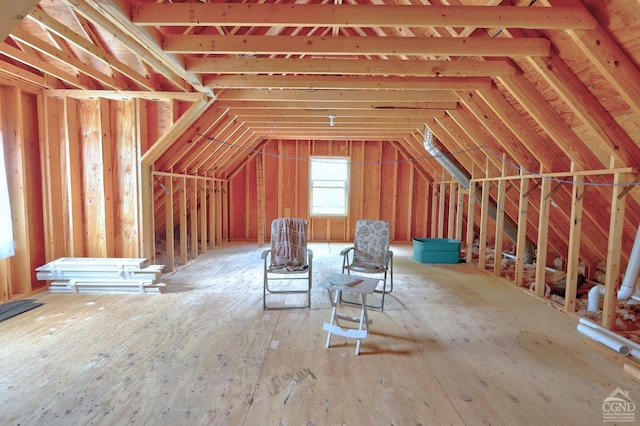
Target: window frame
(319,159)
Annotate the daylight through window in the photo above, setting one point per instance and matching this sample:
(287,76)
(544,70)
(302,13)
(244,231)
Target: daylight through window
(6,236)
(329,186)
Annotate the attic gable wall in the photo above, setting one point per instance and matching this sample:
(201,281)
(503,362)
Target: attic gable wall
(384,183)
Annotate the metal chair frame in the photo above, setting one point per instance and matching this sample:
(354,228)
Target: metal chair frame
(286,276)
(288,234)
(348,267)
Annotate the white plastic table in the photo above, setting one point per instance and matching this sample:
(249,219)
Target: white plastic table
(362,288)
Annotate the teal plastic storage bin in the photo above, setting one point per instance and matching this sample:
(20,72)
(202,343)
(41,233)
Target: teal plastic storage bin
(436,250)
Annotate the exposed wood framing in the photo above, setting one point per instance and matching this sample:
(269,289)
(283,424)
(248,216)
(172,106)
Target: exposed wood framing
(500,212)
(573,256)
(471,201)
(521,243)
(345,15)
(116,139)
(13,13)
(543,232)
(614,247)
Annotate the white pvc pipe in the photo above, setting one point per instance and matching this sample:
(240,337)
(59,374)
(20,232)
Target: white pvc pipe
(631,275)
(634,347)
(593,304)
(628,283)
(606,340)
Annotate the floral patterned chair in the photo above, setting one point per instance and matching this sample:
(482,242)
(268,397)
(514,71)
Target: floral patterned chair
(371,255)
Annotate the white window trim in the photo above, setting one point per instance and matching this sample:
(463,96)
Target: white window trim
(318,158)
(6,236)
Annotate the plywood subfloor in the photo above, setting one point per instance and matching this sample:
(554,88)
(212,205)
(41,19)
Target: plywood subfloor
(454,346)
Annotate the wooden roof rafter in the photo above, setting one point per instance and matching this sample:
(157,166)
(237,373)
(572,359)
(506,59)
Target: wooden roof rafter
(193,158)
(90,47)
(65,56)
(43,66)
(191,139)
(108,16)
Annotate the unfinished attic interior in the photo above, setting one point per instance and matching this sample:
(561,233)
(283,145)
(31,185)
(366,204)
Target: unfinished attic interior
(173,131)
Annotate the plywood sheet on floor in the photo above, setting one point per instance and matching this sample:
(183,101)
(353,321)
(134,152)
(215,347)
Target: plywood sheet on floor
(454,345)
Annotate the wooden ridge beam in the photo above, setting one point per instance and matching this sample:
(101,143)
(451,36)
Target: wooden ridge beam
(345,66)
(391,46)
(348,15)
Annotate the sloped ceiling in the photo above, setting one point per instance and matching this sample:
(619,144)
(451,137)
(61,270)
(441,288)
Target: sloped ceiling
(542,86)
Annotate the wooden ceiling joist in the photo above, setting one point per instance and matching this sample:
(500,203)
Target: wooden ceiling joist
(361,15)
(350,66)
(343,105)
(342,135)
(329,96)
(338,125)
(349,82)
(124,95)
(322,123)
(391,114)
(391,46)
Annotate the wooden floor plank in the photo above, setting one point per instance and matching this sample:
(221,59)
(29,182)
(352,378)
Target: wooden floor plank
(454,345)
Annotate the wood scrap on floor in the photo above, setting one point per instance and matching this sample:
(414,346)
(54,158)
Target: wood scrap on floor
(102,275)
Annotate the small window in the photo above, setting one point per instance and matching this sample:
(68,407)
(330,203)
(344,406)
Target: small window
(329,186)
(7,248)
